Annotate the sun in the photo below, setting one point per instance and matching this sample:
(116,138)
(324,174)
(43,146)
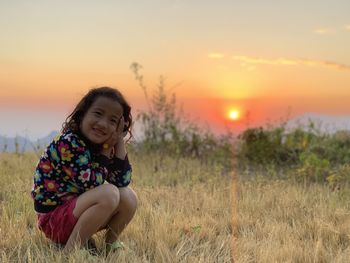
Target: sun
(233,115)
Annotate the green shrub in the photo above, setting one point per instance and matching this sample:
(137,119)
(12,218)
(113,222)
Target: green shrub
(304,152)
(259,146)
(313,168)
(339,176)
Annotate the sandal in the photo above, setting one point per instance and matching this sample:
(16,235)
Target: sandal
(114,246)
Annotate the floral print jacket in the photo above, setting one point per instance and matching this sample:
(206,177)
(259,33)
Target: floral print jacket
(70,166)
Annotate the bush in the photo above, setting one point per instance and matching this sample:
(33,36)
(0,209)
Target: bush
(264,147)
(313,168)
(305,152)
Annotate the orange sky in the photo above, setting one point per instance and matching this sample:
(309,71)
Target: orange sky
(264,59)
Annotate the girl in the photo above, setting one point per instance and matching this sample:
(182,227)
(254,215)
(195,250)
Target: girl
(69,193)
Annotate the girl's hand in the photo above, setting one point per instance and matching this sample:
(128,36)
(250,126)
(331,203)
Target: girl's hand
(108,146)
(120,128)
(111,146)
(119,147)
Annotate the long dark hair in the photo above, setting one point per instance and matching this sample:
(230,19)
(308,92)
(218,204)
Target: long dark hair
(74,119)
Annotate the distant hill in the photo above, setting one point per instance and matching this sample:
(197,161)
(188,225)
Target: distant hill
(324,123)
(8,144)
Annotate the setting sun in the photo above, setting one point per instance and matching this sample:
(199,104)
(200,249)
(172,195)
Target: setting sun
(233,115)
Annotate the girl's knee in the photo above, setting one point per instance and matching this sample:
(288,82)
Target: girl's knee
(110,196)
(128,199)
(106,196)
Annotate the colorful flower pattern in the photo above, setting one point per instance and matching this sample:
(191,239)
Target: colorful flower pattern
(46,166)
(66,154)
(68,166)
(54,154)
(85,175)
(68,171)
(82,160)
(51,185)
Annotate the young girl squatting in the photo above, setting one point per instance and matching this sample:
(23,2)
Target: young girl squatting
(69,192)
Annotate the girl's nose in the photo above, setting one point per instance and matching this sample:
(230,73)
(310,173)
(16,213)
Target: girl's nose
(102,123)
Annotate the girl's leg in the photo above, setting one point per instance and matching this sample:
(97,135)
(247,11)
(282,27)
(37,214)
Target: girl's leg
(122,215)
(93,209)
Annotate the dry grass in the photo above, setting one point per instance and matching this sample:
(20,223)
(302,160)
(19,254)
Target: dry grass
(281,221)
(184,215)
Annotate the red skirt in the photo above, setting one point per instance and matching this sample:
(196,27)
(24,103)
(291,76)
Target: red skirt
(58,224)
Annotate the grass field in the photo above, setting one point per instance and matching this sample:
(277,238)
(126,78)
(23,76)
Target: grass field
(282,221)
(184,214)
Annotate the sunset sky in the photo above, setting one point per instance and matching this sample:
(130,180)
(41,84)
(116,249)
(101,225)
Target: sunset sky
(265,59)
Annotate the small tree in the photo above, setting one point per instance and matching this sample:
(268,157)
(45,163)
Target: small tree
(161,122)
(167,130)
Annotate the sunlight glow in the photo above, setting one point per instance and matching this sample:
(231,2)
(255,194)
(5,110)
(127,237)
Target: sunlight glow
(234,115)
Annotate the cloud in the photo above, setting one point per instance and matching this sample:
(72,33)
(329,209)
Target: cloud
(249,61)
(330,31)
(215,55)
(324,31)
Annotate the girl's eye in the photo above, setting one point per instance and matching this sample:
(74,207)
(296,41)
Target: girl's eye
(97,113)
(114,121)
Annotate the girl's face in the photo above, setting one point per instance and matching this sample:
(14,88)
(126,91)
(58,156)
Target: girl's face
(101,119)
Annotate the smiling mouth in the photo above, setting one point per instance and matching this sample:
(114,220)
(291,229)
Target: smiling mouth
(99,132)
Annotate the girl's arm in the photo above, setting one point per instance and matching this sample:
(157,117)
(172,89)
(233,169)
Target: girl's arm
(119,149)
(115,146)
(120,169)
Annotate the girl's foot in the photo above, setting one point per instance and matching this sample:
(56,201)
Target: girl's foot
(111,247)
